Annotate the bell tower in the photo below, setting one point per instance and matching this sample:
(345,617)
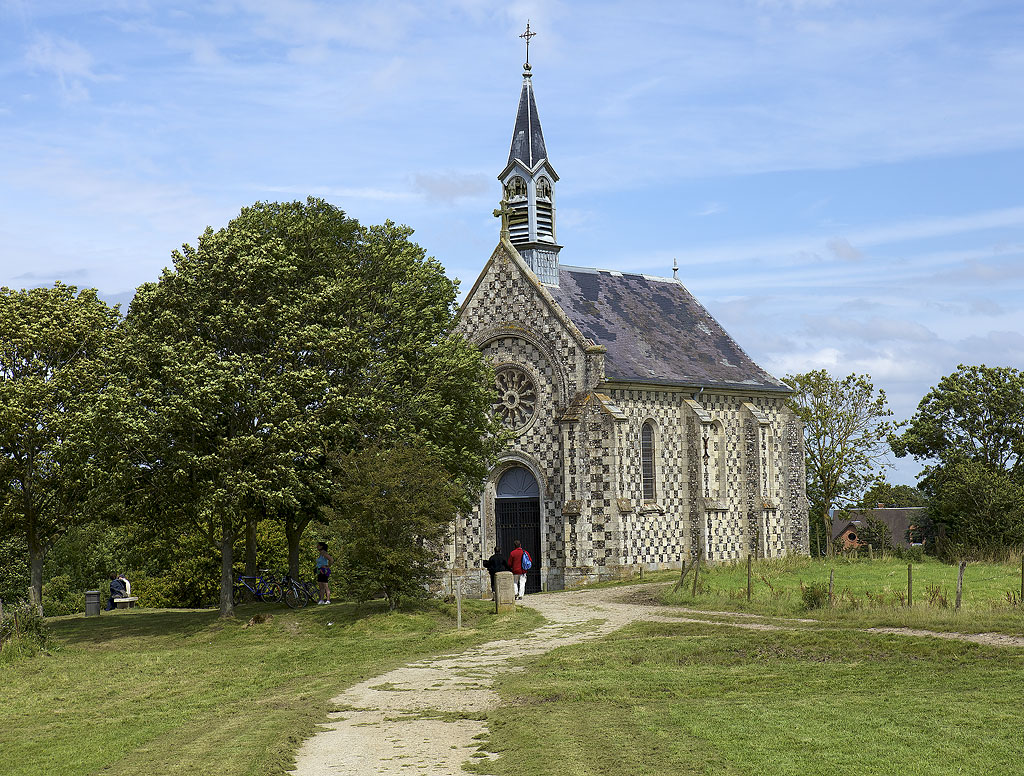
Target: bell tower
(528,185)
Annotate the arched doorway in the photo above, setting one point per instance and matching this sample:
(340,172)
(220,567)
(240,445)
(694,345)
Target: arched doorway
(517,516)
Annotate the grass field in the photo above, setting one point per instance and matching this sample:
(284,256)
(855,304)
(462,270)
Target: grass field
(683,699)
(173,692)
(865,592)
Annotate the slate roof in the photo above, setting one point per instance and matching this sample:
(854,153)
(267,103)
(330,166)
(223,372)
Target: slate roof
(527,136)
(655,331)
(897,519)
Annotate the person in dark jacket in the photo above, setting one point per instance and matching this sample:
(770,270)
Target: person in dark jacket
(494,564)
(117,590)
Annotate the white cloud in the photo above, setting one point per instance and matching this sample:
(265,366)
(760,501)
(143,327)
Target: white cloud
(206,54)
(873,329)
(65,59)
(710,209)
(343,192)
(451,186)
(802,247)
(842,249)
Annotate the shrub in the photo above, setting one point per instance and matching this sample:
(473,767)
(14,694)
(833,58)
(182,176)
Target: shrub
(913,554)
(23,632)
(59,597)
(814,595)
(936,596)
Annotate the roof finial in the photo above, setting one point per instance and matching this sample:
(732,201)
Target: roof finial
(675,269)
(526,36)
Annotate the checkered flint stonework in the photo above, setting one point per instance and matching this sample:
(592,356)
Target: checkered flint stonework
(726,477)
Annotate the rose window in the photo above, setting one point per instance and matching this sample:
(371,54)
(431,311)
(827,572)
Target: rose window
(517,396)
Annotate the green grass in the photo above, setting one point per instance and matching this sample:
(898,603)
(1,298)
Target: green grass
(183,692)
(704,699)
(866,593)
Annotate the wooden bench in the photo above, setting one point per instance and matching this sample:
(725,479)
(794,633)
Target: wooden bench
(126,603)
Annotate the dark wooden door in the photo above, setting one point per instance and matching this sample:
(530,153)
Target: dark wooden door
(519,518)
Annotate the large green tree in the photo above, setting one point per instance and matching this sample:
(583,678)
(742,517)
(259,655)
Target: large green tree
(289,335)
(56,399)
(845,430)
(969,430)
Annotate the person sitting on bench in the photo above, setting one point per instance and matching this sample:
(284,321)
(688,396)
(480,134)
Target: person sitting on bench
(117,590)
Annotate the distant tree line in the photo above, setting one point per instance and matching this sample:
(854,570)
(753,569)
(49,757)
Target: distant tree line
(968,431)
(228,411)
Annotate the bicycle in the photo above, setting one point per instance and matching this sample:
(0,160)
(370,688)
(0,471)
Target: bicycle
(295,594)
(261,588)
(312,588)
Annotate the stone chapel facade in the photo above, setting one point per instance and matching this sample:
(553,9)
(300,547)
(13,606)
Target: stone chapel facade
(644,435)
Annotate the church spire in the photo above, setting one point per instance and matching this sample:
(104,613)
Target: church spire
(528,185)
(527,136)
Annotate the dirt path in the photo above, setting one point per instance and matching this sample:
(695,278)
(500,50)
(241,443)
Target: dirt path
(413,720)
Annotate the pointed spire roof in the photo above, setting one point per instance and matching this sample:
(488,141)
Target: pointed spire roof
(527,137)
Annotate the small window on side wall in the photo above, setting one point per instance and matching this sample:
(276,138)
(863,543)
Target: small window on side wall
(647,460)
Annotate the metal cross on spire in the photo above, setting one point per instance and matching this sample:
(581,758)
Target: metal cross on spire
(526,36)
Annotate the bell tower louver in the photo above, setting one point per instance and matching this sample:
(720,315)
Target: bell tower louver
(528,186)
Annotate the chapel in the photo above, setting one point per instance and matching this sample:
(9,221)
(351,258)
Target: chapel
(644,436)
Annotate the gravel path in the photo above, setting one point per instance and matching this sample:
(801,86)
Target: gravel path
(412,720)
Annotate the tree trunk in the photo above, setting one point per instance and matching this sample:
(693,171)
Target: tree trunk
(35,564)
(250,545)
(227,581)
(294,527)
(827,524)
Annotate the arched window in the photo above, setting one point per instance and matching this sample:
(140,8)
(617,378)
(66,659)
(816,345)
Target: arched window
(543,188)
(647,460)
(515,188)
(713,458)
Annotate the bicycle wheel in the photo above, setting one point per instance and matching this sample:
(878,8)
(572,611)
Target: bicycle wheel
(295,597)
(271,593)
(237,594)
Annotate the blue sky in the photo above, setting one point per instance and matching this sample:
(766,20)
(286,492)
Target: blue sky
(841,182)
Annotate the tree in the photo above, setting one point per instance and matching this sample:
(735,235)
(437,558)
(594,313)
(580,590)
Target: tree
(970,430)
(55,400)
(845,430)
(290,335)
(885,494)
(875,533)
(391,512)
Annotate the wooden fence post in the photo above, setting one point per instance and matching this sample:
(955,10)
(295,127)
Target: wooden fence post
(831,581)
(458,605)
(750,579)
(682,574)
(910,584)
(871,552)
(696,571)
(960,583)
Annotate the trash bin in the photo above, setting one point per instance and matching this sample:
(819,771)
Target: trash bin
(92,603)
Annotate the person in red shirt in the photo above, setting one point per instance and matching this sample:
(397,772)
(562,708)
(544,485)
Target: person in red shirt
(515,563)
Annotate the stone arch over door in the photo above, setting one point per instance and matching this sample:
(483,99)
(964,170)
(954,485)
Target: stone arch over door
(517,515)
